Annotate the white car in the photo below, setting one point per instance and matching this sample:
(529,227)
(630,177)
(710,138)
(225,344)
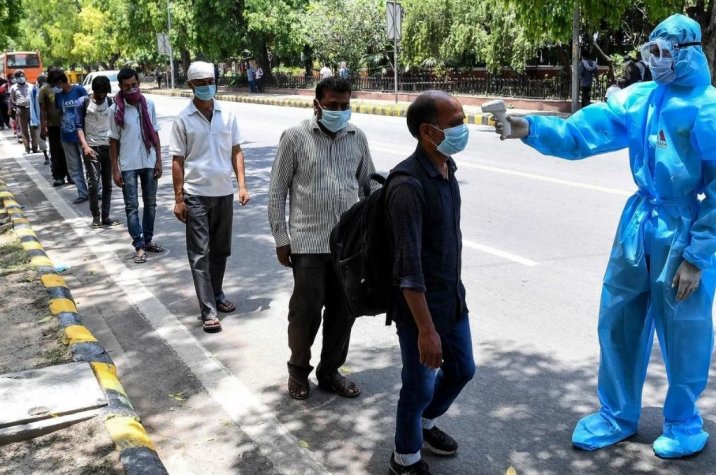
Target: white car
(112,75)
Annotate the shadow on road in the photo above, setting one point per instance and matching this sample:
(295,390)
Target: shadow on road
(519,410)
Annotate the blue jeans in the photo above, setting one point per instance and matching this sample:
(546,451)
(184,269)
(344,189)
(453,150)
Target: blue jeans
(73,155)
(428,393)
(141,232)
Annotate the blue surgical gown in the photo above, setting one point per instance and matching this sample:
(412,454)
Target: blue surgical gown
(670,131)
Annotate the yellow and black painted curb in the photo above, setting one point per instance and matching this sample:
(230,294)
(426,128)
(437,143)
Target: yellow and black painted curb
(136,452)
(392,110)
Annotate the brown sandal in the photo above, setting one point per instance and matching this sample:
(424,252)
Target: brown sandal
(211,325)
(298,390)
(340,385)
(225,305)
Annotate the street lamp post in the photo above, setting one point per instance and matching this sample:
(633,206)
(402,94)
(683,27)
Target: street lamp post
(394,12)
(575,59)
(169,41)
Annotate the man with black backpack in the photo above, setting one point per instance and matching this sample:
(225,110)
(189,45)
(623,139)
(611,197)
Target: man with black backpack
(324,165)
(428,306)
(92,131)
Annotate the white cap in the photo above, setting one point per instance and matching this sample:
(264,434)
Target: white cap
(200,70)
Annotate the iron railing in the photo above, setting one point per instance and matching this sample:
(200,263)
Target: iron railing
(556,87)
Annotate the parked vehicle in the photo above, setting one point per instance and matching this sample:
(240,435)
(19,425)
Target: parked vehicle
(112,75)
(29,61)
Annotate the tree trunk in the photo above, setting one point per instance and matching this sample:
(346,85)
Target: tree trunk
(265,64)
(602,55)
(113,60)
(709,38)
(185,59)
(705,13)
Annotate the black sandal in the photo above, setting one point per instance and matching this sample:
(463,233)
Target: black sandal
(154,247)
(140,258)
(297,389)
(340,385)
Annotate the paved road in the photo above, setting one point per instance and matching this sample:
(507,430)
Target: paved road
(537,232)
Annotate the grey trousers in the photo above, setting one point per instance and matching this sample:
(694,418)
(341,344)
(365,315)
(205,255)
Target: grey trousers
(23,118)
(208,245)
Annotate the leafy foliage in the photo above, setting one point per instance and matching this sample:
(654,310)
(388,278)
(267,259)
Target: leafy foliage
(345,30)
(440,34)
(443,33)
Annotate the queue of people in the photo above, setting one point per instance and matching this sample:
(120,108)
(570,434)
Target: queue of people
(661,275)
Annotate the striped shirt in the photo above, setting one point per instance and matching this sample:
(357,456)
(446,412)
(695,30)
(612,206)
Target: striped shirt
(323,176)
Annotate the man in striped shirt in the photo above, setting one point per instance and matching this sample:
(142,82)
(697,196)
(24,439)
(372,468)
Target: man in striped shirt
(323,164)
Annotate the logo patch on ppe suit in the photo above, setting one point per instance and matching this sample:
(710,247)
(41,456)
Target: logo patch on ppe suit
(661,140)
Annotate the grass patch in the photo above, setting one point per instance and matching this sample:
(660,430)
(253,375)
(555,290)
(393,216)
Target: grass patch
(13,257)
(57,354)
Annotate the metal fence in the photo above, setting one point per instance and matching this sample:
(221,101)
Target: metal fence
(558,87)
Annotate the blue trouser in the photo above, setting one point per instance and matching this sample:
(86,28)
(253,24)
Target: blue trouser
(141,232)
(428,393)
(637,298)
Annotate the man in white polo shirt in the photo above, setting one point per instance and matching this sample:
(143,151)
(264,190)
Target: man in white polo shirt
(205,148)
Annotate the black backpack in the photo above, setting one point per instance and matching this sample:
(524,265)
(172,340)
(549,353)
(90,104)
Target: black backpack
(362,254)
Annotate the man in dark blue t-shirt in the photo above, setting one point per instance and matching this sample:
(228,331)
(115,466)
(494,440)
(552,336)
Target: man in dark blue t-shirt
(68,98)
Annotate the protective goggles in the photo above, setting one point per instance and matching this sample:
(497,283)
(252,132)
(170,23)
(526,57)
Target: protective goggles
(661,48)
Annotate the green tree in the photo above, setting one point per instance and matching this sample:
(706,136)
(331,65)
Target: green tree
(274,27)
(10,15)
(345,30)
(554,18)
(448,33)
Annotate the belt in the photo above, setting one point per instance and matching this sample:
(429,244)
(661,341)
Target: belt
(23,107)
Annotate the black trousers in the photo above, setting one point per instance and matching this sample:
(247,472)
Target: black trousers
(4,113)
(316,289)
(99,168)
(58,163)
(208,246)
(586,95)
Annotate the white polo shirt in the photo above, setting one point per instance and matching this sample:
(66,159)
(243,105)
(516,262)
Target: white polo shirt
(206,148)
(133,154)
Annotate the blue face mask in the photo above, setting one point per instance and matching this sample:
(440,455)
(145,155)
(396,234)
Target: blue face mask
(455,139)
(21,80)
(334,120)
(662,70)
(205,93)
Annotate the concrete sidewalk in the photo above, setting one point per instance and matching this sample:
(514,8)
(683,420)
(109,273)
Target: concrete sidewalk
(474,114)
(137,453)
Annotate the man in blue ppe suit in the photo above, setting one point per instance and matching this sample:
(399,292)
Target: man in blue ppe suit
(661,273)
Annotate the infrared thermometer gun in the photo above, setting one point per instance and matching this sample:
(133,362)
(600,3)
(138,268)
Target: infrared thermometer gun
(498,109)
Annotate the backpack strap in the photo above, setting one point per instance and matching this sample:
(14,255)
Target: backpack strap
(376,177)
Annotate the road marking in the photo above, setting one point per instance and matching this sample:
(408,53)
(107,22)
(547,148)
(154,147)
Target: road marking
(531,176)
(558,181)
(496,252)
(244,408)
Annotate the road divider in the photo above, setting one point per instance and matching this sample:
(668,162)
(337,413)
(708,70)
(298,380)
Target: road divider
(357,106)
